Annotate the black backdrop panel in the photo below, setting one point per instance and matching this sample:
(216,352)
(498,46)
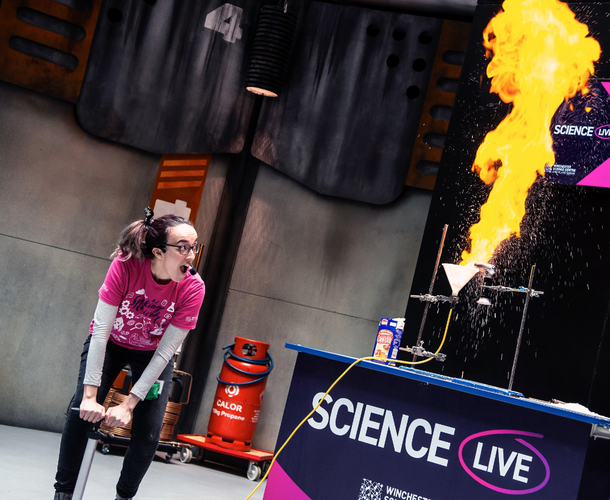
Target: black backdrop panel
(565,353)
(167,76)
(344,125)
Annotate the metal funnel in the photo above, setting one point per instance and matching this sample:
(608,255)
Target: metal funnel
(458,276)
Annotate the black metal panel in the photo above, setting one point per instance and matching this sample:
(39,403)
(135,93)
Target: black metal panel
(500,2)
(160,79)
(565,352)
(446,9)
(344,125)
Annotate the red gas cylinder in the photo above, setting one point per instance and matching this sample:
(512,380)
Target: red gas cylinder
(239,394)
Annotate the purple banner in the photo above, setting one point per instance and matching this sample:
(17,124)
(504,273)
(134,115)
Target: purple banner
(378,436)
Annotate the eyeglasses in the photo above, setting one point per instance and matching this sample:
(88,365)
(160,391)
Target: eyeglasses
(184,249)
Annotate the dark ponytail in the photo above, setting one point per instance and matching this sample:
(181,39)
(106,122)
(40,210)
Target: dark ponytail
(140,237)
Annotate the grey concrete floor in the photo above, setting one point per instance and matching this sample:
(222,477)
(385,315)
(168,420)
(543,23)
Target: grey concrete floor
(28,459)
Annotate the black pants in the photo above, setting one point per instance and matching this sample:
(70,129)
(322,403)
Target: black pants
(145,427)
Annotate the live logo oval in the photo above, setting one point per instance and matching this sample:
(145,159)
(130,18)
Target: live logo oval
(504,463)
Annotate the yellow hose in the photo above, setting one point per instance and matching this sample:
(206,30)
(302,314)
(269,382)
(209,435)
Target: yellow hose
(367,358)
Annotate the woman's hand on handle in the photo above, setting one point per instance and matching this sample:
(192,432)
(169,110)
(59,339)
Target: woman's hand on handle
(120,415)
(90,410)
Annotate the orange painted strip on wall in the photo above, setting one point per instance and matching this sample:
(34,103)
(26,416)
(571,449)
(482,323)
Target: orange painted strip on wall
(174,185)
(178,163)
(183,173)
(181,177)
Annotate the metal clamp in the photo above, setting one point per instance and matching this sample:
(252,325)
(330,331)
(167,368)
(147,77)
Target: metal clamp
(530,291)
(422,353)
(435,298)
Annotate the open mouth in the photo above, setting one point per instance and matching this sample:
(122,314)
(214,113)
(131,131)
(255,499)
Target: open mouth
(184,269)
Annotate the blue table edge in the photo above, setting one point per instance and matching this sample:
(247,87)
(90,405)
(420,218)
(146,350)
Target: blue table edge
(497,394)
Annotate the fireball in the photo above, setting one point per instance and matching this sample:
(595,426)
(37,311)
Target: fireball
(541,56)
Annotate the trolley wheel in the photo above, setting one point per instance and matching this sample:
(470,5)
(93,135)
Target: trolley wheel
(186,455)
(254,472)
(168,457)
(265,466)
(198,453)
(105,448)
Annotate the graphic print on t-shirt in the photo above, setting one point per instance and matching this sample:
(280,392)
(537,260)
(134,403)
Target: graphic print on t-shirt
(141,321)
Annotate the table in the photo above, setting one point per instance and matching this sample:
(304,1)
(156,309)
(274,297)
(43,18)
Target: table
(386,433)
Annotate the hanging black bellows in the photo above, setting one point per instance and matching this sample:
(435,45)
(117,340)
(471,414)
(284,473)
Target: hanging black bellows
(270,51)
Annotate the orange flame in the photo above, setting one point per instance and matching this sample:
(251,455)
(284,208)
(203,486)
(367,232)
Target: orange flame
(541,57)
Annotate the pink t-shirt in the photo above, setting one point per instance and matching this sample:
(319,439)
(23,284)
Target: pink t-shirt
(147,308)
